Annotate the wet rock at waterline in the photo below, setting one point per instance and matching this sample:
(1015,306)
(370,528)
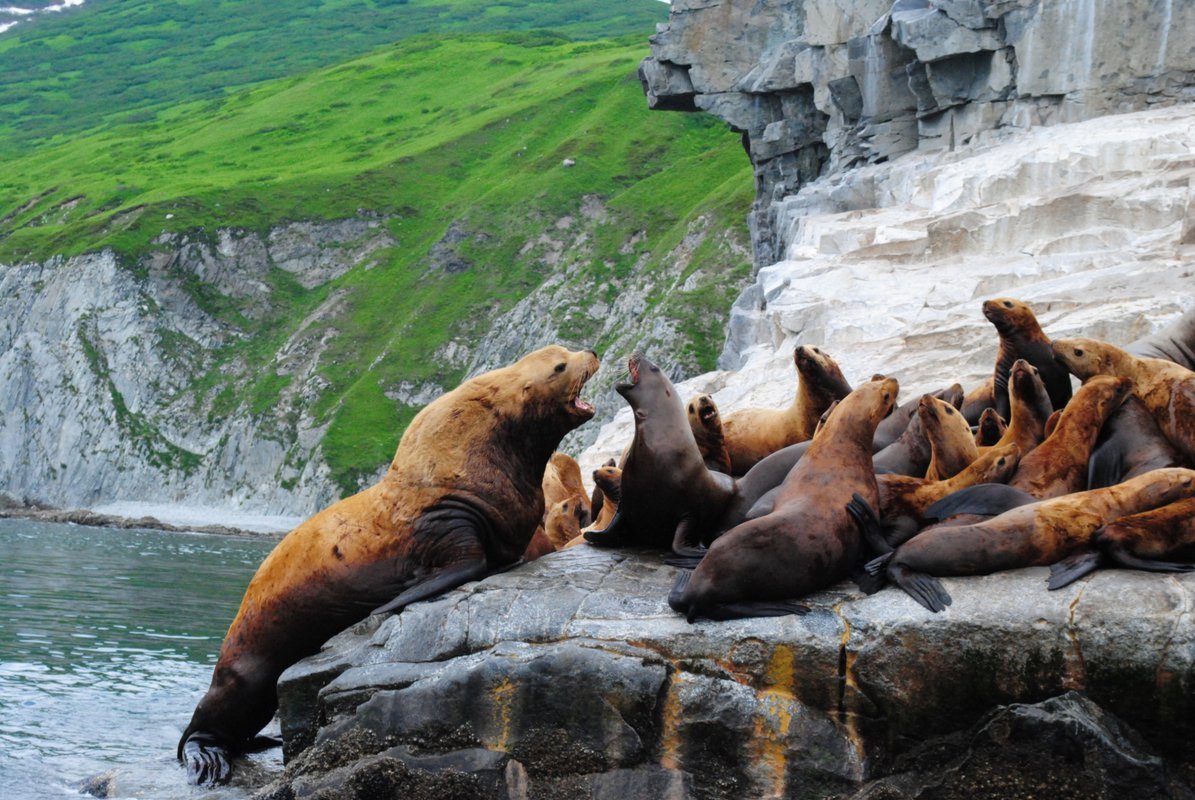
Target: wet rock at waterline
(571,677)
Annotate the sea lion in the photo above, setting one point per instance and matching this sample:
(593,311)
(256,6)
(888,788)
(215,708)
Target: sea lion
(1166,388)
(597,497)
(706,423)
(1029,405)
(669,497)
(462,498)
(975,401)
(564,521)
(608,480)
(909,454)
(752,433)
(539,546)
(1175,342)
(810,540)
(754,492)
(1138,541)
(893,425)
(990,429)
(1037,534)
(903,499)
(951,443)
(1130,444)
(562,480)
(1022,337)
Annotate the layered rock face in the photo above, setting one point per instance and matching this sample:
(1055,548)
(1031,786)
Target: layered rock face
(825,85)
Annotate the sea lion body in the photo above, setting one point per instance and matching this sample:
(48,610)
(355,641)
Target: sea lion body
(458,502)
(1166,388)
(1037,534)
(975,401)
(706,424)
(669,498)
(562,481)
(754,433)
(909,454)
(809,541)
(1175,342)
(1022,337)
(951,443)
(1130,444)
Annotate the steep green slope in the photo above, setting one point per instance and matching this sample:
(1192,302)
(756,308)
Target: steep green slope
(461,139)
(119,60)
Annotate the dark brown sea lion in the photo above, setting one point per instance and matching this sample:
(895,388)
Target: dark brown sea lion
(1022,337)
(975,401)
(909,454)
(562,480)
(1030,407)
(895,423)
(462,498)
(1037,534)
(669,497)
(1166,388)
(706,423)
(810,540)
(1151,541)
(1175,342)
(753,433)
(951,443)
(1130,444)
(990,429)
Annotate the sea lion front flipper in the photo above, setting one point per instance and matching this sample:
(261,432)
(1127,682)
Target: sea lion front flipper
(1106,468)
(1124,558)
(437,583)
(1073,567)
(206,759)
(868,523)
(681,546)
(925,589)
(987,499)
(610,536)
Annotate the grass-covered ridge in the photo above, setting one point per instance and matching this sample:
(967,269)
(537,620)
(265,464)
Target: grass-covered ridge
(431,133)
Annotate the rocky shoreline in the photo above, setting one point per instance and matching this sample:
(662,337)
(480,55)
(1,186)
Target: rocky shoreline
(81,516)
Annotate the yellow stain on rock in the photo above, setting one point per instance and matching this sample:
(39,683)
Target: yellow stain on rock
(775,710)
(671,717)
(502,696)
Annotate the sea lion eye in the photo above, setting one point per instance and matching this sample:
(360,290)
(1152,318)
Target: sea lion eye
(1079,352)
(1008,304)
(949,409)
(1000,463)
(560,367)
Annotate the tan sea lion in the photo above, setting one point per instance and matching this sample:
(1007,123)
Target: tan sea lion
(564,521)
(1037,534)
(562,480)
(539,546)
(990,429)
(462,498)
(895,424)
(951,443)
(810,540)
(706,423)
(1166,388)
(752,433)
(1029,405)
(597,498)
(1022,337)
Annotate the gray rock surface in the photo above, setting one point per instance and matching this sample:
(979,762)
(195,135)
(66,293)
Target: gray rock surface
(572,675)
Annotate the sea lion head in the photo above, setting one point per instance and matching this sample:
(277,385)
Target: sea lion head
(1161,487)
(647,382)
(704,412)
(1025,384)
(1011,316)
(877,395)
(818,369)
(609,479)
(553,378)
(998,464)
(937,413)
(1084,357)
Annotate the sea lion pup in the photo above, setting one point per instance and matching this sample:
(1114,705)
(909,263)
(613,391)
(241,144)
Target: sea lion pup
(706,424)
(904,499)
(564,521)
(1037,534)
(1130,444)
(669,497)
(893,425)
(607,479)
(990,429)
(462,498)
(752,433)
(810,540)
(597,498)
(1030,407)
(1175,342)
(562,480)
(1166,388)
(1022,337)
(951,443)
(1138,541)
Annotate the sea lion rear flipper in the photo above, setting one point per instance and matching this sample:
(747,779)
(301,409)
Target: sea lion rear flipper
(206,759)
(678,589)
(441,581)
(1124,558)
(925,589)
(755,608)
(1073,567)
(610,536)
(988,499)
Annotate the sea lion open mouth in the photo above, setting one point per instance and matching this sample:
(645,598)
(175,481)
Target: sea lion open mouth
(633,368)
(575,403)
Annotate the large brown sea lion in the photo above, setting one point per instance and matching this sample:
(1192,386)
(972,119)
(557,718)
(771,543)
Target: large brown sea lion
(706,423)
(1022,337)
(1166,388)
(1175,342)
(1037,534)
(753,433)
(810,540)
(462,498)
(669,497)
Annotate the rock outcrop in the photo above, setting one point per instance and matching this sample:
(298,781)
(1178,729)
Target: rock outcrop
(571,677)
(819,86)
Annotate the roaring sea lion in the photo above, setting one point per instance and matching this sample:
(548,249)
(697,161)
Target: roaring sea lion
(562,480)
(462,498)
(951,443)
(810,540)
(706,423)
(1138,541)
(1029,405)
(1022,337)
(1175,342)
(1037,534)
(752,433)
(990,429)
(1130,444)
(1166,388)
(669,497)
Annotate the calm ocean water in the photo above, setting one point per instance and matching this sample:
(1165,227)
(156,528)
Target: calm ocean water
(107,641)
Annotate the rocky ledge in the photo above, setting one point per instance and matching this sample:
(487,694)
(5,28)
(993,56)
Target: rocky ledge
(571,677)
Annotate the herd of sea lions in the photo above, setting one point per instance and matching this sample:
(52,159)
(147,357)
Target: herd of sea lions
(761,507)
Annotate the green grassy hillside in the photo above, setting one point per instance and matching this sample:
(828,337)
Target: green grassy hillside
(432,132)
